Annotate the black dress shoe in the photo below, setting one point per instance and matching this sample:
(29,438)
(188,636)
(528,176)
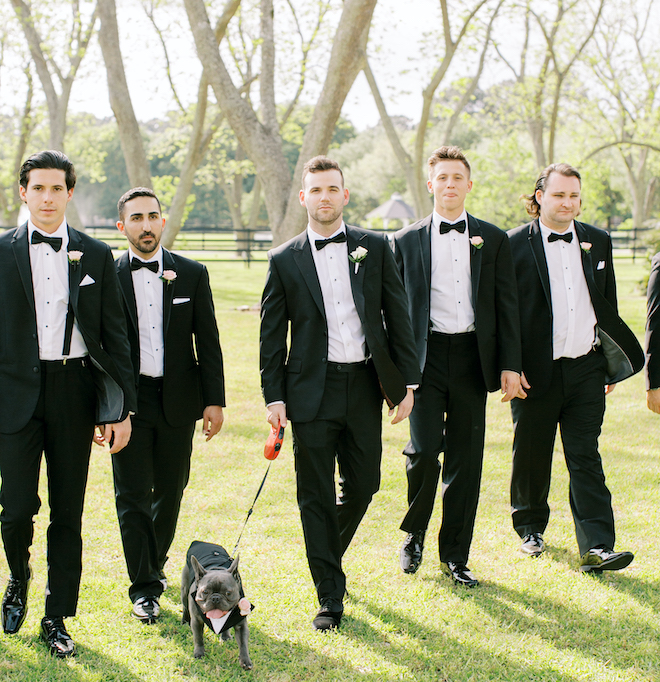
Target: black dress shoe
(14,605)
(460,573)
(329,615)
(55,635)
(410,555)
(533,545)
(146,609)
(603,558)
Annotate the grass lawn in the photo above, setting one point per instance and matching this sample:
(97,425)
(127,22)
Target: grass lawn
(528,620)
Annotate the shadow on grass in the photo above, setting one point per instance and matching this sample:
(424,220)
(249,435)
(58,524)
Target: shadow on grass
(610,634)
(435,655)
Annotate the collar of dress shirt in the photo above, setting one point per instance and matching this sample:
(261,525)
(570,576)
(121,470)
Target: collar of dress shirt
(315,236)
(158,257)
(437,219)
(61,232)
(546,231)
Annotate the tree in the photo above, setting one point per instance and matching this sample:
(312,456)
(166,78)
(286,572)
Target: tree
(259,135)
(413,166)
(626,63)
(75,36)
(566,28)
(130,137)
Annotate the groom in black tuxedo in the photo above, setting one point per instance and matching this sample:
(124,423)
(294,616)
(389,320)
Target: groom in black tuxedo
(458,274)
(338,291)
(64,367)
(575,348)
(169,312)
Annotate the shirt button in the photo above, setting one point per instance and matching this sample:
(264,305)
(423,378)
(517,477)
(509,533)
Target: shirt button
(35,370)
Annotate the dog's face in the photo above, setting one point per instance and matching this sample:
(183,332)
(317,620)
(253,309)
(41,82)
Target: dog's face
(217,592)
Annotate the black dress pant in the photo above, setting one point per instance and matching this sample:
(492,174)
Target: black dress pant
(449,414)
(347,429)
(61,427)
(575,401)
(150,475)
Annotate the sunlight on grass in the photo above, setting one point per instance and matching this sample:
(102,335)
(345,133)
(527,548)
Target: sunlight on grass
(529,620)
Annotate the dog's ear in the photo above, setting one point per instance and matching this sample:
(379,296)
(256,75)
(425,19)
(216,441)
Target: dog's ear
(233,569)
(198,568)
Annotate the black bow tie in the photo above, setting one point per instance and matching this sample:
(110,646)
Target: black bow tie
(446,227)
(38,238)
(136,264)
(555,236)
(337,239)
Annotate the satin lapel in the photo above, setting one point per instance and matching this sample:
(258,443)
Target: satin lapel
(75,270)
(587,264)
(353,240)
(302,255)
(126,286)
(22,255)
(425,250)
(474,230)
(168,290)
(536,245)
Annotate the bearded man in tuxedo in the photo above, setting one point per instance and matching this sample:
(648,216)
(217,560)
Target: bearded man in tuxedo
(575,348)
(337,290)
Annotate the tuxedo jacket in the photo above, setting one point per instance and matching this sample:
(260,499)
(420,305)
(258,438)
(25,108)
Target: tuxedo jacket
(494,297)
(653,326)
(622,350)
(193,371)
(292,294)
(96,302)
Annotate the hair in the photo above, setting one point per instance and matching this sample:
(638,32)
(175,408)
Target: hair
(319,164)
(48,160)
(531,204)
(134,194)
(448,153)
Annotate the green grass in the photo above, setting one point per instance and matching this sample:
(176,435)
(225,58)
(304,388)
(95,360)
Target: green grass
(529,619)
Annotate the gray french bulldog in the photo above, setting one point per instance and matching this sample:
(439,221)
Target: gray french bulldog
(212,594)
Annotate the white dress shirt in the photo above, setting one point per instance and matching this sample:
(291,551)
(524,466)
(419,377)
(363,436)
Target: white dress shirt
(346,341)
(573,316)
(452,311)
(148,288)
(50,282)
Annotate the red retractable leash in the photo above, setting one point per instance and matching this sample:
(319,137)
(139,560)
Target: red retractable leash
(271,451)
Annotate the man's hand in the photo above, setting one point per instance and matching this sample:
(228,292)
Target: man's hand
(510,384)
(115,435)
(404,408)
(276,415)
(653,400)
(212,420)
(609,388)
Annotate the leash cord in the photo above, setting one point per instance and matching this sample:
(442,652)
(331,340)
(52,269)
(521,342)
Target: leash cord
(256,497)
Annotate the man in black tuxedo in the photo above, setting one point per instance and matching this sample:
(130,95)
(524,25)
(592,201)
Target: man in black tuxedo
(64,367)
(169,309)
(575,347)
(338,289)
(653,338)
(457,271)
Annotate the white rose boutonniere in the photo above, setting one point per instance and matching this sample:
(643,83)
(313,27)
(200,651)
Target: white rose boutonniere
(168,276)
(358,256)
(585,246)
(477,242)
(74,257)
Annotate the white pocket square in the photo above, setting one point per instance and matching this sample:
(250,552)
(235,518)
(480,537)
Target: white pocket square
(86,281)
(177,301)
(601,265)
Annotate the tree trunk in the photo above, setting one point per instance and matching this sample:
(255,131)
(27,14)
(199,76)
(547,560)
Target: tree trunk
(135,157)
